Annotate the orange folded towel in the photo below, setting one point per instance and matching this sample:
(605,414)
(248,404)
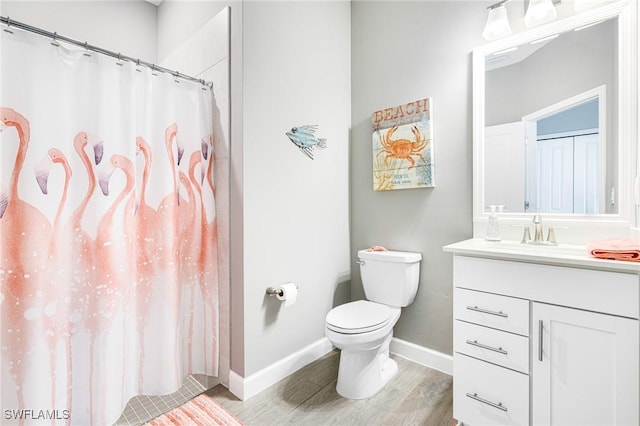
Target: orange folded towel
(616,249)
(376,248)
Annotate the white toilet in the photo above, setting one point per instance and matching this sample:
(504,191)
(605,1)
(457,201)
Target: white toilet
(362,330)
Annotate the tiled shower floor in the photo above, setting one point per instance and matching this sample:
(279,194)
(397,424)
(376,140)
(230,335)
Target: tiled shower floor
(141,409)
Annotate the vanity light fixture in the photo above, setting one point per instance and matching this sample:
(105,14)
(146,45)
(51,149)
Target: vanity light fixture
(497,23)
(539,12)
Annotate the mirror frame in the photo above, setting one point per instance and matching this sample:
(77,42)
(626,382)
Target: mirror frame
(582,227)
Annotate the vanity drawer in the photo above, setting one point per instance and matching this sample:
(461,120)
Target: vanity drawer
(492,310)
(495,346)
(485,394)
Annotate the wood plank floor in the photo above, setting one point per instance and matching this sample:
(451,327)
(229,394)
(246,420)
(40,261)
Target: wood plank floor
(416,395)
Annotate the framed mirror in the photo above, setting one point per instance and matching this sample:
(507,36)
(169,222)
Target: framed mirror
(555,121)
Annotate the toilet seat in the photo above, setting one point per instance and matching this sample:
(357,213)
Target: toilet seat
(361,316)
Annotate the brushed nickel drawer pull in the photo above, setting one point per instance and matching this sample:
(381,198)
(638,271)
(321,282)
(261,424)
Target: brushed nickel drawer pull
(486,311)
(499,405)
(483,346)
(540,331)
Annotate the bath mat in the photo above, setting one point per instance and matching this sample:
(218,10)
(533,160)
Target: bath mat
(200,411)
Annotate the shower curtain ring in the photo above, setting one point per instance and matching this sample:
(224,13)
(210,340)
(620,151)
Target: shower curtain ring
(176,75)
(86,47)
(55,42)
(138,65)
(118,62)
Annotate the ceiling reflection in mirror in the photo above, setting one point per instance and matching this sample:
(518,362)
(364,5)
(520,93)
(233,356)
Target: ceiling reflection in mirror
(551,124)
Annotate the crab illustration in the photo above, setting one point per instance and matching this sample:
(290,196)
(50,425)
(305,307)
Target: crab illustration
(403,149)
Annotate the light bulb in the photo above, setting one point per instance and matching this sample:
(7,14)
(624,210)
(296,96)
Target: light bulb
(497,24)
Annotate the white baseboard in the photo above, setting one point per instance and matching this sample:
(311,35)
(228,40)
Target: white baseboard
(236,384)
(246,387)
(421,355)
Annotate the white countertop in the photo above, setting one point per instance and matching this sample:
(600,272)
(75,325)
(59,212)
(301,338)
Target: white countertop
(562,255)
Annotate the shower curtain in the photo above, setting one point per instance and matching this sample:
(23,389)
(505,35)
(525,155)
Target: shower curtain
(108,243)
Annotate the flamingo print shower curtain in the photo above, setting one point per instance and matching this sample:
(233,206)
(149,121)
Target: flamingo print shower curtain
(108,241)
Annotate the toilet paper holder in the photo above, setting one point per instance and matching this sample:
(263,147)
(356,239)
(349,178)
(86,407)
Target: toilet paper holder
(273,291)
(276,291)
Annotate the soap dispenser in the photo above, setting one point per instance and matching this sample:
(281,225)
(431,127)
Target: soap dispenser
(493,229)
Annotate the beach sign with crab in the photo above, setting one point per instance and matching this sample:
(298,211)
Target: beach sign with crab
(403,146)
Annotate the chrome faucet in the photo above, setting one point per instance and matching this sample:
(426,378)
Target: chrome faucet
(538,237)
(538,234)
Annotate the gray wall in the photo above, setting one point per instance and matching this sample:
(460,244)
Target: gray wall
(296,69)
(402,51)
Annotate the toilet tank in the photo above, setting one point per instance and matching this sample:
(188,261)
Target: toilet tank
(390,277)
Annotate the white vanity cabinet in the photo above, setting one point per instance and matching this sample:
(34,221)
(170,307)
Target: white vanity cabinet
(584,367)
(544,343)
(491,358)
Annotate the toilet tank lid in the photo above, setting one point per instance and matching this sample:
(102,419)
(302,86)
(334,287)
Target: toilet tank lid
(390,256)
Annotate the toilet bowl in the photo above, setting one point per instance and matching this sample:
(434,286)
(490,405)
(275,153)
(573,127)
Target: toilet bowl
(363,329)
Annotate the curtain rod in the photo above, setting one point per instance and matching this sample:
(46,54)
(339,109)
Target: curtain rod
(55,37)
